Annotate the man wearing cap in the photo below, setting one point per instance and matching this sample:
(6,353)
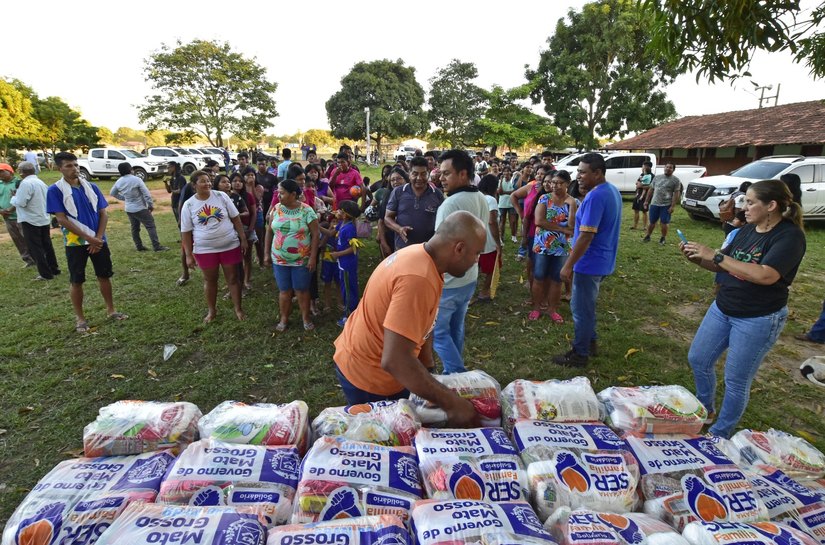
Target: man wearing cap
(30,204)
(8,185)
(385,349)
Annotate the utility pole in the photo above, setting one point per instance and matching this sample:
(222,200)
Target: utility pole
(367,111)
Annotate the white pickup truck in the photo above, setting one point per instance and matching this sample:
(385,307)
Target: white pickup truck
(102,163)
(623,169)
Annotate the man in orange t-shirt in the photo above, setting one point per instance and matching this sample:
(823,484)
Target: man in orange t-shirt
(385,350)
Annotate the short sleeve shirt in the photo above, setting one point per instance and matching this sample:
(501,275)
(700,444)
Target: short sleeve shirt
(402,296)
(345,181)
(492,204)
(782,249)
(86,214)
(416,212)
(663,189)
(291,237)
(210,223)
(600,213)
(346,232)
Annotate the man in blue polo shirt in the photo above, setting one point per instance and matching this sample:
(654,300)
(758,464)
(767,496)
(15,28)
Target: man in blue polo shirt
(593,257)
(411,209)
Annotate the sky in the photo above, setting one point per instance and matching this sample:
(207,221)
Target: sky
(106,47)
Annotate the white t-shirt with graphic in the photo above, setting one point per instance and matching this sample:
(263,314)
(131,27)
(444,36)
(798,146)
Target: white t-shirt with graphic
(210,223)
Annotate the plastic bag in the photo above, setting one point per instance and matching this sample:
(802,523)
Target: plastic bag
(716,494)
(212,472)
(134,427)
(585,527)
(468,522)
(258,424)
(391,423)
(375,530)
(473,464)
(653,409)
(480,388)
(553,400)
(789,453)
(790,502)
(78,499)
(346,479)
(664,460)
(172,524)
(741,533)
(576,465)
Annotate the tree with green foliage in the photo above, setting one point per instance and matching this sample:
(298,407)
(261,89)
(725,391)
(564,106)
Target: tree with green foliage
(16,119)
(105,136)
(389,89)
(456,102)
(206,87)
(62,127)
(598,77)
(718,39)
(506,122)
(319,137)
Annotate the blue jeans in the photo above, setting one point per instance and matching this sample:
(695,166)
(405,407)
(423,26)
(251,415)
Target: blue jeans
(747,340)
(356,396)
(448,335)
(583,306)
(817,331)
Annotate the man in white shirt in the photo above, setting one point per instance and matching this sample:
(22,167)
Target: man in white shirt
(30,204)
(138,205)
(31,157)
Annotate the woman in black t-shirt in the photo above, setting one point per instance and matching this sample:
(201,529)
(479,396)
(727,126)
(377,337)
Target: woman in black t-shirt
(750,309)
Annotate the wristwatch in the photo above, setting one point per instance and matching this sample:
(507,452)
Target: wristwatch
(718,257)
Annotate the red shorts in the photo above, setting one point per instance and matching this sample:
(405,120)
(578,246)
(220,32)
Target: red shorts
(487,262)
(227,257)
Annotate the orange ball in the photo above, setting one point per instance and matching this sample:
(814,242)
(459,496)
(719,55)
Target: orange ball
(356,191)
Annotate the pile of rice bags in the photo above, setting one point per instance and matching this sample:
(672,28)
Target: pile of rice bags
(653,409)
(792,455)
(258,424)
(551,400)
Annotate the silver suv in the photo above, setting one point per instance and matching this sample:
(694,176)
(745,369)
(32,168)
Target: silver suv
(702,197)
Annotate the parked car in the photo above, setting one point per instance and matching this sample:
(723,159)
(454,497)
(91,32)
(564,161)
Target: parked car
(623,169)
(702,197)
(405,152)
(188,163)
(103,163)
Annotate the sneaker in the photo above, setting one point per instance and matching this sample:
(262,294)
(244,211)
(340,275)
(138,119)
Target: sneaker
(662,241)
(161,248)
(646,239)
(571,359)
(513,239)
(142,249)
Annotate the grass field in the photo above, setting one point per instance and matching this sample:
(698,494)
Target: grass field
(53,380)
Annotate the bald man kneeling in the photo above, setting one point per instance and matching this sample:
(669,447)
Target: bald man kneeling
(385,350)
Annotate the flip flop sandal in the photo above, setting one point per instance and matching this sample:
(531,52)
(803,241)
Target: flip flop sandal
(556,317)
(309,326)
(118,316)
(280,327)
(534,315)
(82,327)
(182,281)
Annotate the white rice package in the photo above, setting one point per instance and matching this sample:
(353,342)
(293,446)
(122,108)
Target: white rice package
(584,527)
(347,479)
(374,530)
(793,455)
(212,472)
(483,391)
(466,522)
(78,499)
(155,524)
(470,464)
(742,533)
(653,409)
(391,423)
(135,427)
(552,400)
(258,424)
(577,465)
